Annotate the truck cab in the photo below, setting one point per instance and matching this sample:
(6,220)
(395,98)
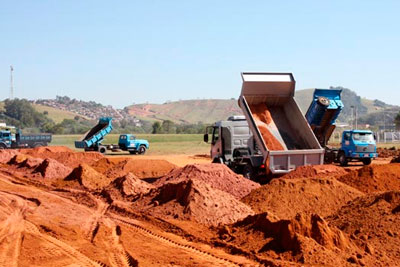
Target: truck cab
(130,143)
(357,145)
(6,139)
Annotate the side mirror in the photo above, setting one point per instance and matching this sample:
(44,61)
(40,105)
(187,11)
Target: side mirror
(205,138)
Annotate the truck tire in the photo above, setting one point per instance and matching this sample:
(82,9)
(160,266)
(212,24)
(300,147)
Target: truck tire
(2,146)
(132,152)
(102,149)
(323,101)
(248,171)
(142,149)
(37,145)
(367,161)
(342,159)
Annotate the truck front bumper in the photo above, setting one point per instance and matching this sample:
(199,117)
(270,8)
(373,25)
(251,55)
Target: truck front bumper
(364,155)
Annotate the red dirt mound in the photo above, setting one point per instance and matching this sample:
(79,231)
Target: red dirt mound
(192,200)
(142,168)
(315,171)
(7,154)
(388,152)
(218,176)
(286,197)
(374,178)
(373,221)
(18,159)
(52,169)
(88,177)
(306,239)
(127,186)
(63,155)
(31,163)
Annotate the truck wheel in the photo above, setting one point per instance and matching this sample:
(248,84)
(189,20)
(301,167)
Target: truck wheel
(3,146)
(37,145)
(342,159)
(367,161)
(102,149)
(142,149)
(248,172)
(323,101)
(132,152)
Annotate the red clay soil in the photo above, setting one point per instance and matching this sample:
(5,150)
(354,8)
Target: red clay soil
(52,169)
(18,159)
(218,176)
(374,178)
(127,186)
(88,177)
(388,152)
(304,239)
(7,154)
(373,221)
(142,168)
(63,155)
(262,117)
(31,163)
(192,200)
(395,160)
(315,171)
(287,197)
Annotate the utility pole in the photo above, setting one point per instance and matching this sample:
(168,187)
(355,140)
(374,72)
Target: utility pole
(11,83)
(352,117)
(356,118)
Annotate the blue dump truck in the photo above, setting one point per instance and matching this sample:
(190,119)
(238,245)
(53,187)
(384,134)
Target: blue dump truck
(19,140)
(356,145)
(92,140)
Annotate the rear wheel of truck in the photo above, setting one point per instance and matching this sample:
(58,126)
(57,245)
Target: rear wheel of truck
(248,171)
(132,152)
(367,161)
(342,159)
(37,145)
(102,149)
(3,146)
(142,149)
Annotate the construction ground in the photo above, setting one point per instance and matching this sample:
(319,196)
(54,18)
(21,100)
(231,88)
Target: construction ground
(60,207)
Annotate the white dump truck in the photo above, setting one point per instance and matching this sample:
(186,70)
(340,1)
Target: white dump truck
(278,137)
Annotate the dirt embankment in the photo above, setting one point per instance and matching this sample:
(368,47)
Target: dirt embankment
(374,178)
(218,176)
(315,171)
(373,222)
(287,197)
(192,200)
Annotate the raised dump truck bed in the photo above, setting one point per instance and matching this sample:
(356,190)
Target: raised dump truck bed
(280,130)
(92,139)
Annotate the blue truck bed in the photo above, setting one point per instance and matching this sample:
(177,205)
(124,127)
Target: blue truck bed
(95,136)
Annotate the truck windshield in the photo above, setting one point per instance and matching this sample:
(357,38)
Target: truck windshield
(364,137)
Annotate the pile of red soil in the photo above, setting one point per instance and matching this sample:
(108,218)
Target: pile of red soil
(262,117)
(88,177)
(287,197)
(395,160)
(218,176)
(192,200)
(63,155)
(127,186)
(374,178)
(7,154)
(315,171)
(31,163)
(18,159)
(52,169)
(373,221)
(305,239)
(388,152)
(142,168)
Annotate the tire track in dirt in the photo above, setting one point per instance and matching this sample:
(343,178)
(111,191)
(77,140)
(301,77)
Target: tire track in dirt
(119,256)
(186,247)
(64,247)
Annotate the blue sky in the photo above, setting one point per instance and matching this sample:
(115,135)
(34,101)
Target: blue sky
(124,52)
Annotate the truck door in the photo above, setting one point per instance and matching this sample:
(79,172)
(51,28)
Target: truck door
(216,144)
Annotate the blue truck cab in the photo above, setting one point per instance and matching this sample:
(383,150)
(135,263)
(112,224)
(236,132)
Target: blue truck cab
(357,145)
(130,143)
(6,139)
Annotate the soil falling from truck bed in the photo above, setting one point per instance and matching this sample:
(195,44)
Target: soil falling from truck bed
(263,118)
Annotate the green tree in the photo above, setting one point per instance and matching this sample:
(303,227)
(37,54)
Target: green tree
(168,127)
(156,128)
(397,121)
